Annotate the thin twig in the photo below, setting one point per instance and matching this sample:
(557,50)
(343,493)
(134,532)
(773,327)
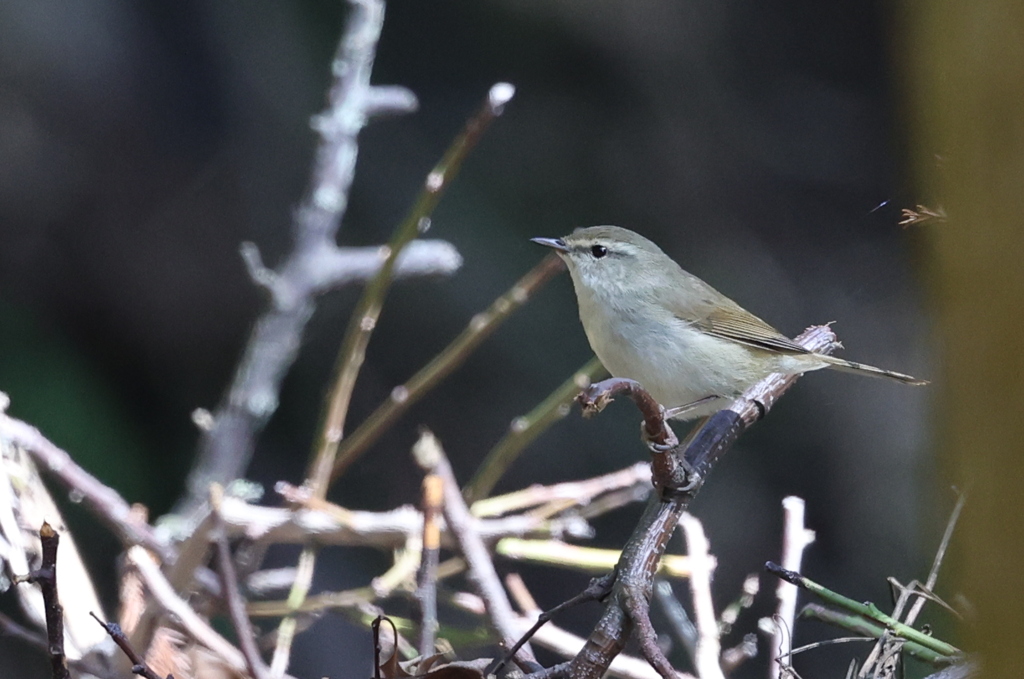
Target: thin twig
(426,578)
(586,559)
(940,554)
(364,320)
(580,493)
(887,643)
(596,590)
(46,577)
(557,640)
(868,628)
(430,456)
(229,583)
(139,665)
(795,539)
(314,264)
(165,596)
(709,648)
(480,327)
(100,499)
(524,430)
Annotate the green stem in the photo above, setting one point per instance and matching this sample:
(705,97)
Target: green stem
(525,429)
(451,357)
(867,610)
(859,625)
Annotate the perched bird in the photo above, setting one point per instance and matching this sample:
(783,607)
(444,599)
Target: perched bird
(690,346)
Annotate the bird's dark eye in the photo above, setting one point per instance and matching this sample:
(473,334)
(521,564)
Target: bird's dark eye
(598,251)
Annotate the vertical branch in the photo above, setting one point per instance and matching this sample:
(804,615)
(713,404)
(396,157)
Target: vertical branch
(229,584)
(426,578)
(709,648)
(46,577)
(226,447)
(795,539)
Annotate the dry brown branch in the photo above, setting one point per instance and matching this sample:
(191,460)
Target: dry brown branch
(46,577)
(165,596)
(139,665)
(426,577)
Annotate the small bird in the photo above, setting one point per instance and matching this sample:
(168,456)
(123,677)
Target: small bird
(690,346)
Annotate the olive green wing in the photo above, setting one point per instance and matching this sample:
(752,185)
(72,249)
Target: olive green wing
(732,322)
(697,303)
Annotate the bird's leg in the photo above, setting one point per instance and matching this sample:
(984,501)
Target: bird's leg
(685,408)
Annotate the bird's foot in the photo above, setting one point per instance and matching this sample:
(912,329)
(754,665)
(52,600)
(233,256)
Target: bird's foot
(677,411)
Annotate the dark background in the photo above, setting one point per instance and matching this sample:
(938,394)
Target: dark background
(141,143)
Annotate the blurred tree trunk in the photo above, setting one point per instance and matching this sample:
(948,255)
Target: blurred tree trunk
(966,73)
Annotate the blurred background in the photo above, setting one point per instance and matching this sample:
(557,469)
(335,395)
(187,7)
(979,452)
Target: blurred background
(765,146)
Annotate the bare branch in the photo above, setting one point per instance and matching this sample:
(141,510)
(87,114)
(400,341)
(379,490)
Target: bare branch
(708,650)
(329,524)
(426,578)
(431,457)
(166,598)
(312,266)
(46,577)
(229,584)
(102,500)
(795,539)
(139,665)
(578,493)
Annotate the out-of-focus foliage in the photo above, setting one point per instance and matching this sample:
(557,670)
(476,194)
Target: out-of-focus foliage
(966,64)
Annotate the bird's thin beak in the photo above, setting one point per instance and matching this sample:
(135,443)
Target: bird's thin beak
(556,243)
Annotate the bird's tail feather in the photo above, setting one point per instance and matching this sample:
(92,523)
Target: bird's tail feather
(851,367)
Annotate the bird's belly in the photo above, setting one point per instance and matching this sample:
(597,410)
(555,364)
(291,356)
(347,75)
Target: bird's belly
(676,363)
